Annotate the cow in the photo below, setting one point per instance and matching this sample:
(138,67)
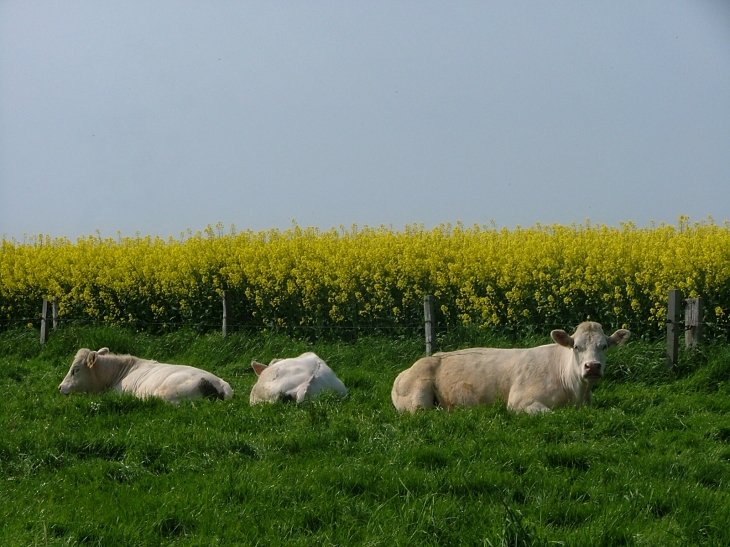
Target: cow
(294,379)
(98,371)
(532,380)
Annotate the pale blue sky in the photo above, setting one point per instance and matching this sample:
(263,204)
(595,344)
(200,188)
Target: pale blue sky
(158,117)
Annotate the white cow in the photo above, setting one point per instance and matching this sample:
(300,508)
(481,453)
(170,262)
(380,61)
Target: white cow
(97,371)
(296,379)
(531,380)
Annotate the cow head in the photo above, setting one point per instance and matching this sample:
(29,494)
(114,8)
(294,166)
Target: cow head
(81,375)
(589,345)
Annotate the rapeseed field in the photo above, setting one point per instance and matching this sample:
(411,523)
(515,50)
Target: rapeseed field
(374,278)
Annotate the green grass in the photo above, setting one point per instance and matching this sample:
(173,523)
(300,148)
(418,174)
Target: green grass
(648,464)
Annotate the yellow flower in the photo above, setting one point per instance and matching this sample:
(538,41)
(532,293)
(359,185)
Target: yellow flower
(364,276)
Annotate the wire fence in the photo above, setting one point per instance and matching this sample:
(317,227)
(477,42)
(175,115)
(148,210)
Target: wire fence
(207,326)
(415,324)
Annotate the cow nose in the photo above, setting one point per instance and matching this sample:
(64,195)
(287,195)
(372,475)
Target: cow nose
(593,367)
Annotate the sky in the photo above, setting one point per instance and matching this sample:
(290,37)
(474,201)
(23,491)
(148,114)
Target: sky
(159,118)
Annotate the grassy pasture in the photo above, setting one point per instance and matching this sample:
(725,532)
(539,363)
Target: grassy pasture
(648,464)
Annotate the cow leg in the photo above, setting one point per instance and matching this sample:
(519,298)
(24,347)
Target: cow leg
(178,387)
(535,408)
(412,394)
(525,402)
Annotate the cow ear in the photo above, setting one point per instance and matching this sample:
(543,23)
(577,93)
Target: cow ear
(562,338)
(258,368)
(618,338)
(91,359)
(103,351)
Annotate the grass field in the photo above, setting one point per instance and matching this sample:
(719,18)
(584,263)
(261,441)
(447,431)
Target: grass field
(648,464)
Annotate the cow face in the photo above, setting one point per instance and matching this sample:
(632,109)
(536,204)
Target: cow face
(81,376)
(589,345)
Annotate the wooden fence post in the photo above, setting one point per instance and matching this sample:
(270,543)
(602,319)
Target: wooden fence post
(55,313)
(428,317)
(674,305)
(692,322)
(226,310)
(44,322)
